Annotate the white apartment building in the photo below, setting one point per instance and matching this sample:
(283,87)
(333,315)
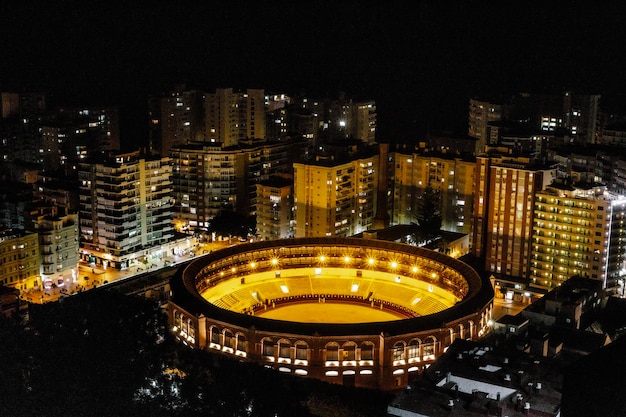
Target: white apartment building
(125,209)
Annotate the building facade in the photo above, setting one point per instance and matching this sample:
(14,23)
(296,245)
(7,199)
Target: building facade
(176,119)
(125,209)
(335,199)
(453,178)
(481,113)
(58,247)
(504,204)
(231,116)
(274,213)
(578,231)
(19,259)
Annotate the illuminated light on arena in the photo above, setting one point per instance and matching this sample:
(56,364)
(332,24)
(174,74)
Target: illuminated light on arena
(350,311)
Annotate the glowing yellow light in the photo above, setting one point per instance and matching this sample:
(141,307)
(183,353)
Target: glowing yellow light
(222,274)
(274,261)
(322,258)
(434,275)
(371,261)
(346,259)
(394,264)
(252,264)
(414,269)
(233,269)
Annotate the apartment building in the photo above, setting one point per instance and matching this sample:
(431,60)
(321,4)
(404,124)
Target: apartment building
(335,198)
(19,259)
(206,180)
(274,208)
(503,211)
(577,232)
(58,247)
(231,116)
(176,119)
(481,113)
(125,209)
(452,178)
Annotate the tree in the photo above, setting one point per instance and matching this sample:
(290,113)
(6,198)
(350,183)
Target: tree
(230,223)
(428,213)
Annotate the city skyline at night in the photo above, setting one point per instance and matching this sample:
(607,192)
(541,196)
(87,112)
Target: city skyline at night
(235,150)
(420,63)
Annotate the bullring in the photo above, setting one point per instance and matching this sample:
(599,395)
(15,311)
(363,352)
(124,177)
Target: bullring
(219,301)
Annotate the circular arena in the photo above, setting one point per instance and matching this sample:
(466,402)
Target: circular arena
(351,311)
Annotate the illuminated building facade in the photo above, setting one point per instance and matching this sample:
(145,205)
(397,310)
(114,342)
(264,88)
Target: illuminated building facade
(452,177)
(19,259)
(335,199)
(503,214)
(481,113)
(218,303)
(176,119)
(577,232)
(125,209)
(206,180)
(231,116)
(58,247)
(274,213)
(209,179)
(363,121)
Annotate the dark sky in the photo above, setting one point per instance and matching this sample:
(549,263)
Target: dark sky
(420,60)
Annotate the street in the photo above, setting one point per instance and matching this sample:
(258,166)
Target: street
(90,276)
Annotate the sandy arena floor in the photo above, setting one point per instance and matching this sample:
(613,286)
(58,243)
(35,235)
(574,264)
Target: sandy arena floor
(329,313)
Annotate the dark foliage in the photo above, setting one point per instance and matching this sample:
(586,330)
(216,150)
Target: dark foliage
(103,353)
(232,224)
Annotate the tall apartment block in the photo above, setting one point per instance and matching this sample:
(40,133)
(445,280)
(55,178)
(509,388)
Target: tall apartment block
(206,180)
(20,138)
(452,177)
(125,209)
(362,124)
(481,113)
(334,198)
(503,212)
(19,259)
(274,208)
(577,232)
(58,247)
(70,136)
(209,179)
(231,116)
(176,119)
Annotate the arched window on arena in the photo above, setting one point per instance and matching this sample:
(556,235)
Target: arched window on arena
(413,351)
(241,347)
(302,353)
(284,351)
(332,354)
(398,353)
(471,329)
(428,349)
(177,320)
(268,349)
(191,331)
(367,353)
(229,341)
(461,331)
(184,326)
(215,337)
(349,354)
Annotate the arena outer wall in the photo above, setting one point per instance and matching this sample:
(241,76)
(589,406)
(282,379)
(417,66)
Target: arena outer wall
(380,355)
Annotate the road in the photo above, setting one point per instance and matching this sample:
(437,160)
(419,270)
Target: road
(89,277)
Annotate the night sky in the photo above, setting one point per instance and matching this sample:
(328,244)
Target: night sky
(420,60)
